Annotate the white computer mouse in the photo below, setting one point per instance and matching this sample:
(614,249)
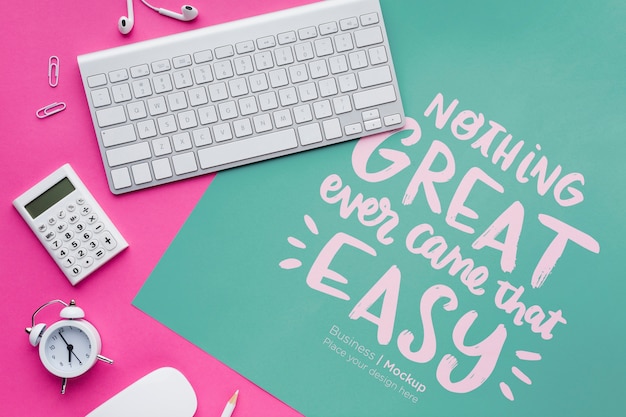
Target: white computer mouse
(164,392)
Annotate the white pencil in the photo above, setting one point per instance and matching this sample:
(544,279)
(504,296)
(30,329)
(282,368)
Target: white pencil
(230,405)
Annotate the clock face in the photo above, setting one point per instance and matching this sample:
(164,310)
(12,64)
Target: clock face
(69,349)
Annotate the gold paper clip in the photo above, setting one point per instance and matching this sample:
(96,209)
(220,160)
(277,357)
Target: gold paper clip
(50,109)
(53,70)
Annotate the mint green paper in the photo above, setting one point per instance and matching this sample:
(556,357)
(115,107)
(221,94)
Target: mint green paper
(551,74)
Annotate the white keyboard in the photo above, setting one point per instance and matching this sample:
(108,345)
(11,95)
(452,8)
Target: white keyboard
(245,91)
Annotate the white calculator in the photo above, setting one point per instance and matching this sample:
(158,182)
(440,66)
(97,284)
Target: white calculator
(70,224)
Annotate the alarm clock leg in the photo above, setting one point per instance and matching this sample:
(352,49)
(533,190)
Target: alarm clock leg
(63,385)
(105,359)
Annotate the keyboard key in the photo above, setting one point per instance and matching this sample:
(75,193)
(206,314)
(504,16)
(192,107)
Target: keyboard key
(203,56)
(263,60)
(307,33)
(244,47)
(157,106)
(223,69)
(167,124)
(367,37)
(284,56)
(187,119)
(100,97)
(203,74)
(121,92)
(224,52)
(184,163)
(324,47)
(310,134)
(111,116)
(161,146)
(202,137)
(127,154)
(332,129)
(141,173)
(374,76)
(118,135)
(353,129)
(162,168)
(242,128)
(304,51)
(136,110)
(393,119)
(182,79)
(262,123)
(161,66)
(222,132)
(357,60)
(182,141)
(328,28)
(286,37)
(247,148)
(181,61)
(343,42)
(266,42)
(350,23)
(118,75)
(374,97)
(378,55)
(372,124)
(97,80)
(120,178)
(243,65)
(369,19)
(146,129)
(139,71)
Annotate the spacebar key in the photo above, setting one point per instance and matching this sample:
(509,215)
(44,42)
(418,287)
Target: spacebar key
(247,148)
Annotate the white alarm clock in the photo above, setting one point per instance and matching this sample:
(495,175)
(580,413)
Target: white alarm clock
(69,347)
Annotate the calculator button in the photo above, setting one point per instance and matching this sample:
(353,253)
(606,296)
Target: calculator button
(73,218)
(99,254)
(61,227)
(69,261)
(71,207)
(75,243)
(79,227)
(68,235)
(85,236)
(86,209)
(62,253)
(80,201)
(55,244)
(52,221)
(108,241)
(87,262)
(50,235)
(93,244)
(81,253)
(42,227)
(76,270)
(61,214)
(91,219)
(98,227)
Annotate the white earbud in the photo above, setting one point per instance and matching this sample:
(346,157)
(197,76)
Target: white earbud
(187,13)
(126,23)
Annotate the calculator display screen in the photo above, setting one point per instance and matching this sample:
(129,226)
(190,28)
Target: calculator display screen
(49,197)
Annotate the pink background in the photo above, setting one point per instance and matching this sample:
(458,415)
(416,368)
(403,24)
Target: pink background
(30,149)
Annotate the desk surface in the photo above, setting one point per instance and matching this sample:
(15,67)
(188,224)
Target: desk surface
(30,149)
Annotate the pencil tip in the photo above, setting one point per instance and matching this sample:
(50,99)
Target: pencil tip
(233,399)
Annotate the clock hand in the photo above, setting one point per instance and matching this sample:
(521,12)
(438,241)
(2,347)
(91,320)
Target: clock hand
(70,349)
